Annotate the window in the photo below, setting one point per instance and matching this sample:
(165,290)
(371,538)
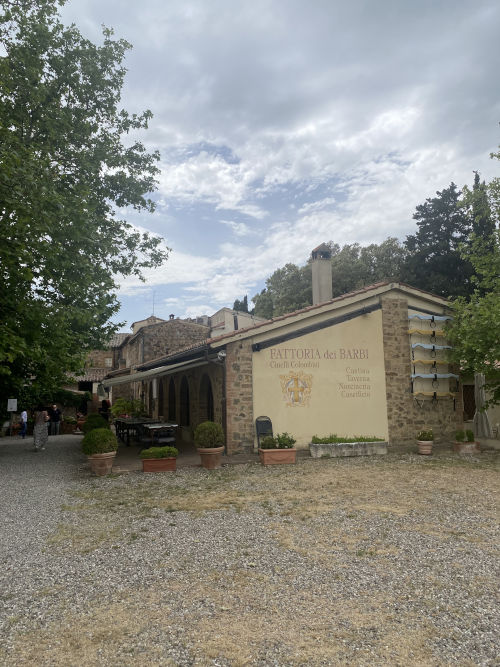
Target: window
(108,362)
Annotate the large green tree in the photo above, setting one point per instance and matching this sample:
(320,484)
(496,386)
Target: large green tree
(287,289)
(434,262)
(355,266)
(69,167)
(475,330)
(290,287)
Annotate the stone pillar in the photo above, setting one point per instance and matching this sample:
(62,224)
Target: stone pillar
(239,397)
(406,416)
(397,368)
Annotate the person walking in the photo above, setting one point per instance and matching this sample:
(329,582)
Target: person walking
(23,420)
(40,430)
(55,420)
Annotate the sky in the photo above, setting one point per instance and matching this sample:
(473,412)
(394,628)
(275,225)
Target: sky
(282,124)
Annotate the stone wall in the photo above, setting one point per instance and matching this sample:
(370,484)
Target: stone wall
(158,340)
(405,415)
(98,359)
(239,398)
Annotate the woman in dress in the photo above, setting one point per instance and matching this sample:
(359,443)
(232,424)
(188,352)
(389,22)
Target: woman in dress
(40,430)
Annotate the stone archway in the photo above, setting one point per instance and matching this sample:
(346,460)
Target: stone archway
(206,400)
(185,412)
(172,411)
(161,398)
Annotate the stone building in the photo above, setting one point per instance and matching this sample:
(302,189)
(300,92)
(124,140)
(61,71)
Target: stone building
(98,364)
(368,363)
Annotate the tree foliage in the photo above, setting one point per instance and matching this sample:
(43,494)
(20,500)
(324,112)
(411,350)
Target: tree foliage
(68,170)
(287,289)
(474,332)
(241,306)
(434,262)
(353,266)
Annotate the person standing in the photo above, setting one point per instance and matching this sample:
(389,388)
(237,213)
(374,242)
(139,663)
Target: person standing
(104,409)
(40,431)
(55,420)
(23,420)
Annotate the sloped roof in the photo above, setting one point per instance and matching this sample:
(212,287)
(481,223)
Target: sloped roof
(117,339)
(369,290)
(92,375)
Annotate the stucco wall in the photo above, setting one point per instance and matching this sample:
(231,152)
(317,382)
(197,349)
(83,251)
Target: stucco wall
(328,381)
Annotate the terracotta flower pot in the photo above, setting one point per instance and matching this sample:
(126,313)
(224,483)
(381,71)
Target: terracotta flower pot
(270,457)
(425,447)
(159,465)
(211,457)
(102,464)
(466,448)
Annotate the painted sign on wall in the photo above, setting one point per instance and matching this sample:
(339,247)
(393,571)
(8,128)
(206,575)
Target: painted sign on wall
(328,381)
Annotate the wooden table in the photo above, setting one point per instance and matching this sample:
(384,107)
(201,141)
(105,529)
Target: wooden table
(161,432)
(124,425)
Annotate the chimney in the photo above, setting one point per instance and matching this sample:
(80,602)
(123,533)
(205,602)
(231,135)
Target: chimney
(321,267)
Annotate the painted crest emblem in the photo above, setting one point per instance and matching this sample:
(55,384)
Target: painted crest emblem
(296,388)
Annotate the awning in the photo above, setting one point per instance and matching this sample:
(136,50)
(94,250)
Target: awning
(153,372)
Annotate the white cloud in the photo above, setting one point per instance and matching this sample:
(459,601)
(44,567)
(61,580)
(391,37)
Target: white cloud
(312,122)
(239,228)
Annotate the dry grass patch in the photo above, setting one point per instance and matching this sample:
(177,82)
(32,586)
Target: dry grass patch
(236,617)
(393,487)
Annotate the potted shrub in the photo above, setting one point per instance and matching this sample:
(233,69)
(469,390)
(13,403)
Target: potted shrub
(100,446)
(209,439)
(159,459)
(68,424)
(465,442)
(277,449)
(425,440)
(94,421)
(124,407)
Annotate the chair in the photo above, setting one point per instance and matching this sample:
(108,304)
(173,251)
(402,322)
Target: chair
(263,427)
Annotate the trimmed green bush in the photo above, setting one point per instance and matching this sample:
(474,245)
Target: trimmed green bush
(280,441)
(209,434)
(159,453)
(99,441)
(70,420)
(425,435)
(132,407)
(460,436)
(94,421)
(285,441)
(268,442)
(333,438)
(470,436)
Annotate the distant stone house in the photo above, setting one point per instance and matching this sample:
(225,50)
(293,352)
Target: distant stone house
(153,339)
(369,363)
(97,365)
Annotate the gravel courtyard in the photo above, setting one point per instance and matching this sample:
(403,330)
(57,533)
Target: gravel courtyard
(382,561)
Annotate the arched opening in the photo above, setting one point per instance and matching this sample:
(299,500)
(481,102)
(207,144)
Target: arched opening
(151,403)
(206,399)
(184,403)
(172,416)
(161,407)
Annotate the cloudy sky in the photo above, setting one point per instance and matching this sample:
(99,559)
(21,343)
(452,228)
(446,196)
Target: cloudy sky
(285,123)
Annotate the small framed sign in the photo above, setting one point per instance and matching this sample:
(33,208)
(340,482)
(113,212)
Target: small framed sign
(12,405)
